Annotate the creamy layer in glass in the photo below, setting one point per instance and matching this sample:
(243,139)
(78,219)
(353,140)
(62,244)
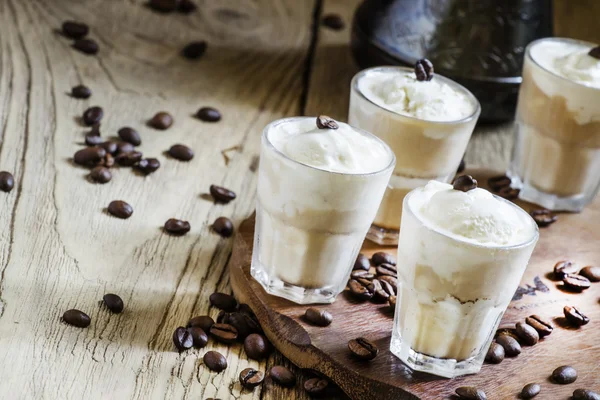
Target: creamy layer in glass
(318,192)
(460,259)
(426,123)
(556,157)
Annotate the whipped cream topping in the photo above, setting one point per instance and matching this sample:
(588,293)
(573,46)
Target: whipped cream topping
(475,216)
(343,150)
(399,91)
(569,60)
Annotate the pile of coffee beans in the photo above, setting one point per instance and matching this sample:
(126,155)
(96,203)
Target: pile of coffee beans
(501,186)
(374,280)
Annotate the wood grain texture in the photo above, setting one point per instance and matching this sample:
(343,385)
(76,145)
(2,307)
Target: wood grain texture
(386,377)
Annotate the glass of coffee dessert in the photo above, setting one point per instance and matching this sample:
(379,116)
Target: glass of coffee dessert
(461,256)
(556,156)
(320,183)
(427,120)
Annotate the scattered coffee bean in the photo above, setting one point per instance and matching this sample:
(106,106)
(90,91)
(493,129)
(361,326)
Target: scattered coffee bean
(124,148)
(76,318)
(562,268)
(511,346)
(148,165)
(359,290)
(93,140)
(318,317)
(382,257)
(86,46)
(584,394)
(591,273)
(109,147)
(256,346)
(90,156)
(203,321)
(81,92)
(527,334)
(362,263)
(392,303)
(251,378)
(163,6)
(424,71)
(177,227)
(461,166)
(74,30)
(129,159)
(199,337)
(186,6)
(162,120)
(498,182)
(208,114)
(92,115)
(224,333)
(215,361)
(576,283)
(386,269)
(464,183)
(100,175)
(564,375)
(495,354)
(7,181)
(543,217)
(361,273)
(283,376)
(363,348)
(120,209)
(470,393)
(509,193)
(181,152)
(221,194)
(575,316)
(194,50)
(130,135)
(243,323)
(223,226)
(316,386)
(113,302)
(333,21)
(326,122)
(542,326)
(595,52)
(223,301)
(530,390)
(108,162)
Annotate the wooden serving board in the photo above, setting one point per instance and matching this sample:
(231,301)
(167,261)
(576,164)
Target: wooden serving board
(574,236)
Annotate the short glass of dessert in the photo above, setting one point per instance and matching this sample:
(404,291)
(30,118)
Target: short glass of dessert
(461,255)
(556,156)
(319,186)
(427,123)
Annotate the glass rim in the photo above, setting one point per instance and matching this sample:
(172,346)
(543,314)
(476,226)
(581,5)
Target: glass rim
(474,115)
(272,124)
(529,57)
(536,234)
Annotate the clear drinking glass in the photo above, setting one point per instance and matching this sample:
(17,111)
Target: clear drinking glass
(310,223)
(451,295)
(425,150)
(556,155)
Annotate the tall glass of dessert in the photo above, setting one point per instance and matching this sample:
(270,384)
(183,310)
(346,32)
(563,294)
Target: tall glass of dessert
(320,183)
(556,156)
(426,120)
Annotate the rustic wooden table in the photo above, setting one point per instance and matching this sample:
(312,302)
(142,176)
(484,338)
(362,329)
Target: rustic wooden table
(58,249)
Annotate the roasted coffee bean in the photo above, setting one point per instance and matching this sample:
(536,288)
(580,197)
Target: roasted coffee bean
(382,257)
(108,162)
(163,6)
(527,334)
(181,152)
(90,156)
(470,393)
(243,323)
(391,280)
(182,339)
(591,273)
(283,376)
(382,291)
(76,318)
(224,333)
(120,209)
(100,175)
(595,52)
(363,348)
(81,92)
(223,301)
(203,321)
(326,122)
(186,6)
(361,273)
(542,326)
(215,361)
(498,182)
(177,227)
(333,21)
(511,346)
(464,183)
(113,302)
(199,337)
(109,147)
(461,166)
(576,283)
(162,120)
(93,140)
(359,291)
(509,193)
(208,114)
(148,165)
(562,268)
(124,147)
(584,394)
(194,50)
(223,226)
(575,316)
(564,375)
(530,390)
(256,346)
(86,46)
(318,317)
(543,217)
(316,386)
(424,70)
(7,181)
(251,378)
(222,317)
(129,159)
(392,303)
(362,263)
(74,30)
(130,135)
(386,269)
(92,115)
(221,194)
(495,354)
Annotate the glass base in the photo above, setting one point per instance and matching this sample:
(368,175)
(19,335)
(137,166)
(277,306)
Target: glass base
(297,294)
(547,200)
(383,236)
